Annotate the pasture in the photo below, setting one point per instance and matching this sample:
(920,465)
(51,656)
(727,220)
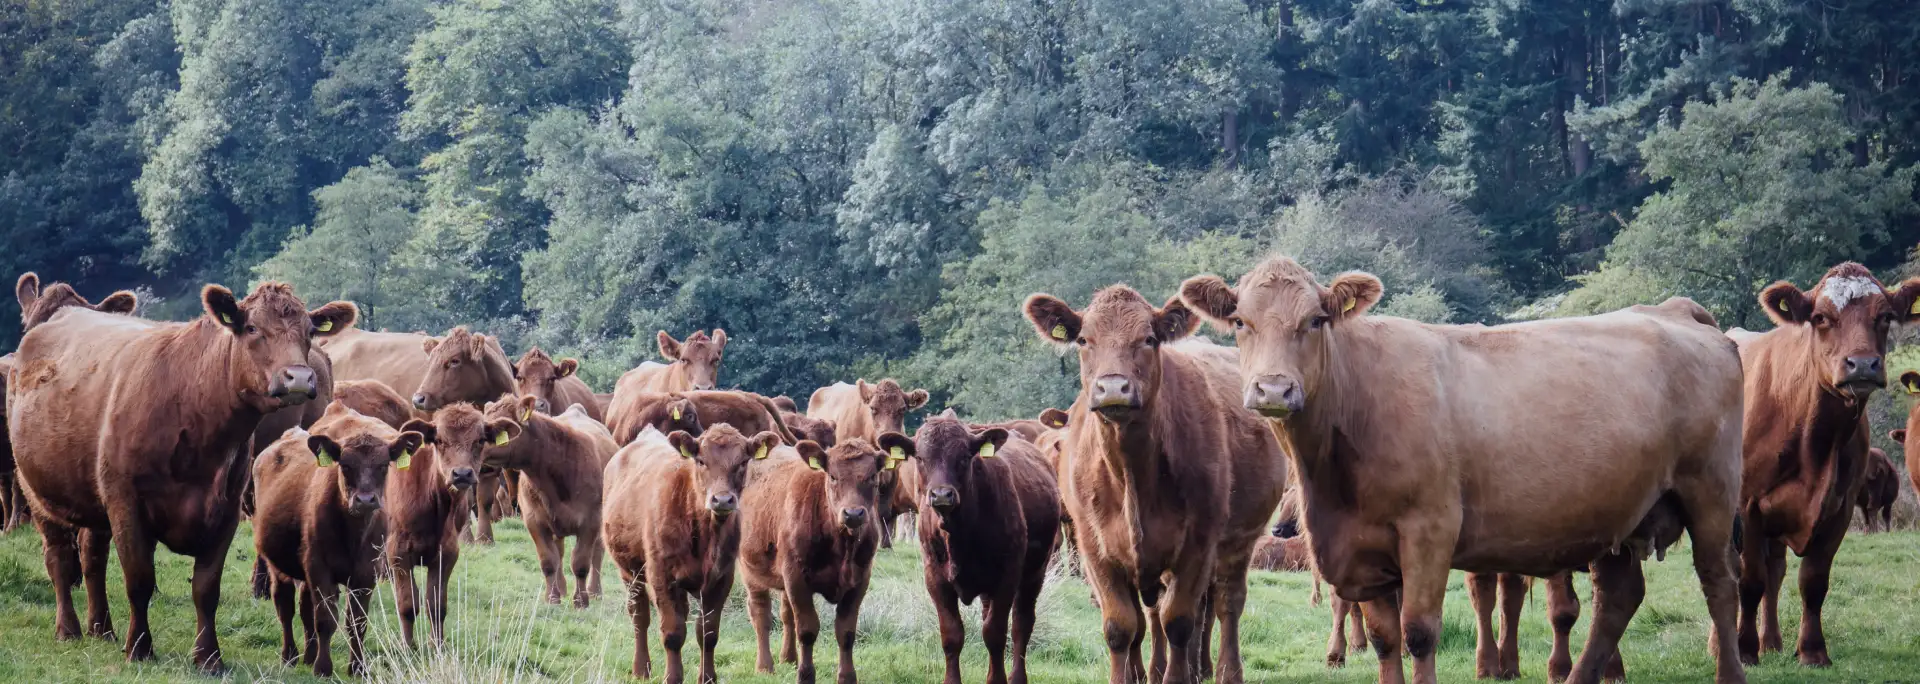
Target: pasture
(500,631)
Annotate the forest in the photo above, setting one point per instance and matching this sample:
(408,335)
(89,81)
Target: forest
(870,187)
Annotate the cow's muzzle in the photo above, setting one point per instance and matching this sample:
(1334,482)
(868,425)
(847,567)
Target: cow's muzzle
(1275,397)
(943,498)
(462,479)
(295,385)
(1114,396)
(423,402)
(364,503)
(854,518)
(723,504)
(1861,375)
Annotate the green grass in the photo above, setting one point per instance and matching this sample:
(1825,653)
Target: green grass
(501,632)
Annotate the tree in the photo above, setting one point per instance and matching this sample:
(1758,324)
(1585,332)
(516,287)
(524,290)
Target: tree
(363,221)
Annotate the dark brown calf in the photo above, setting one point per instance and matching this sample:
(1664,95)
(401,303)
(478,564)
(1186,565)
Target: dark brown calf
(818,430)
(1880,491)
(672,528)
(809,531)
(989,515)
(428,504)
(561,460)
(318,525)
(138,432)
(553,385)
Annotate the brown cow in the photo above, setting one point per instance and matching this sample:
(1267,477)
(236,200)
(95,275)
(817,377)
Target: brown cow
(692,365)
(1274,554)
(428,504)
(137,431)
(13,503)
(808,530)
(671,529)
(397,359)
(785,404)
(318,524)
(553,385)
(1409,440)
(1170,478)
(1879,493)
(819,430)
(468,367)
(1911,381)
(633,410)
(561,460)
(1288,527)
(990,513)
(1025,429)
(1807,382)
(867,411)
(374,399)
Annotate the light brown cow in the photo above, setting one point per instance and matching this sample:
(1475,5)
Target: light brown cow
(319,525)
(671,527)
(633,410)
(397,359)
(137,431)
(428,504)
(469,367)
(553,385)
(808,531)
(562,460)
(1910,380)
(867,411)
(1807,384)
(691,365)
(1408,441)
(1171,480)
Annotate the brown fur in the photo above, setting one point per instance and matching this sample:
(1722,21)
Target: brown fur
(13,503)
(819,430)
(1910,381)
(469,367)
(1806,445)
(562,461)
(553,385)
(374,399)
(989,525)
(38,305)
(138,432)
(319,526)
(1029,430)
(691,365)
(396,359)
(1288,527)
(1274,554)
(866,411)
(277,423)
(672,527)
(1409,439)
(634,409)
(785,403)
(428,505)
(799,538)
(1169,477)
(1879,493)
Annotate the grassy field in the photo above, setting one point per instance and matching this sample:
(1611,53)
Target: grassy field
(501,632)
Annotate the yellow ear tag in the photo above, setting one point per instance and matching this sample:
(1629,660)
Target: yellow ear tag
(986,450)
(323,458)
(1782,306)
(760,455)
(1349,306)
(500,438)
(896,454)
(226,319)
(1915,309)
(685,453)
(890,464)
(676,413)
(526,415)
(405,459)
(1912,387)
(1059,332)
(814,463)
(325,326)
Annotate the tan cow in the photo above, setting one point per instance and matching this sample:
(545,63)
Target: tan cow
(633,410)
(1807,384)
(469,367)
(137,431)
(867,411)
(562,460)
(1408,441)
(1171,481)
(553,385)
(397,359)
(1910,380)
(692,365)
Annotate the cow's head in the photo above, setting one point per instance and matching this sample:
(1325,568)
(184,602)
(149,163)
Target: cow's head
(537,374)
(945,451)
(38,304)
(512,409)
(272,332)
(720,457)
(1848,314)
(463,366)
(678,413)
(360,450)
(1119,337)
(820,430)
(889,404)
(1910,383)
(460,435)
(850,468)
(700,353)
(1284,322)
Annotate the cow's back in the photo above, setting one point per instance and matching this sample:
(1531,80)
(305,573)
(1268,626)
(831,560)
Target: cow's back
(397,359)
(842,404)
(572,390)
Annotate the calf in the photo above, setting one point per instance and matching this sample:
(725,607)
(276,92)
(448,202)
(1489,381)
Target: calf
(671,528)
(1911,381)
(989,515)
(553,385)
(1880,491)
(1403,473)
(633,410)
(692,365)
(816,429)
(1171,480)
(138,432)
(1807,384)
(562,461)
(809,531)
(468,367)
(867,411)
(318,524)
(427,505)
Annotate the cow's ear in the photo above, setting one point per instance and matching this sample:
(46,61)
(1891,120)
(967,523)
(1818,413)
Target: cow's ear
(403,448)
(223,308)
(1910,381)
(898,446)
(1053,319)
(866,390)
(27,289)
(1898,435)
(1786,304)
(325,451)
(502,430)
(1351,294)
(1174,321)
(1053,418)
(683,412)
(987,443)
(719,339)
(1906,300)
(477,346)
(426,429)
(430,344)
(525,405)
(122,302)
(333,317)
(916,399)
(687,444)
(1210,296)
(669,347)
(815,456)
(763,444)
(566,367)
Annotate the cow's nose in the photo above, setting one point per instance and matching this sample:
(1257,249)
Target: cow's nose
(1113,391)
(366,501)
(943,497)
(463,478)
(1865,369)
(723,503)
(854,517)
(420,400)
(1274,397)
(295,384)
(703,386)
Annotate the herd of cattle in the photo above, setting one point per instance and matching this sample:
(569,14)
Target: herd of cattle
(1391,450)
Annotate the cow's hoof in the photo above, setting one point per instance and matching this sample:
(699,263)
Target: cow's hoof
(1815,658)
(1336,659)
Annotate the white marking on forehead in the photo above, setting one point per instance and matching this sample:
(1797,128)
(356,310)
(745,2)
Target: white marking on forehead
(1841,291)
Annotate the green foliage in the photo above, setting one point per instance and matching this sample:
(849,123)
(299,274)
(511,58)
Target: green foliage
(349,253)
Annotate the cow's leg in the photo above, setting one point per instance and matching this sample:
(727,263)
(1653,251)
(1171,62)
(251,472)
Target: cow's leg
(405,602)
(1816,568)
(639,610)
(760,612)
(584,555)
(94,545)
(326,620)
(483,505)
(671,601)
(846,627)
(207,570)
(1563,610)
(994,613)
(598,559)
(1202,648)
(359,592)
(1383,631)
(1121,620)
(309,624)
(136,567)
(262,585)
(1337,641)
(805,626)
(1359,619)
(1513,597)
(1157,633)
(1426,551)
(885,511)
(1753,589)
(283,598)
(1182,606)
(789,637)
(713,598)
(1024,614)
(1481,588)
(439,570)
(1770,632)
(953,631)
(1618,587)
(547,547)
(1229,601)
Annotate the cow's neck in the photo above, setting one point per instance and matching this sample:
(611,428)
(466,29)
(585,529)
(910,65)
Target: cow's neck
(216,420)
(499,375)
(1320,436)
(980,501)
(544,454)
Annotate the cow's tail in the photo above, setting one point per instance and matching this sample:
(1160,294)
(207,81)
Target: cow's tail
(773,417)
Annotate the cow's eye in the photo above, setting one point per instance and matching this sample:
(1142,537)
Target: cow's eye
(251,330)
(1819,320)
(453,363)
(1239,325)
(1319,321)
(1150,342)
(1082,341)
